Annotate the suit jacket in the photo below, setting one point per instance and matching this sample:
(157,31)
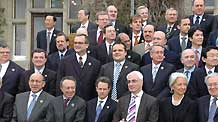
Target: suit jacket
(215,23)
(92,28)
(203,109)
(106,114)
(139,48)
(148,109)
(74,112)
(174,44)
(50,81)
(141,38)
(119,28)
(102,55)
(42,41)
(54,60)
(85,76)
(212,38)
(206,23)
(174,30)
(108,71)
(133,57)
(11,79)
(198,88)
(159,88)
(6,106)
(186,111)
(39,110)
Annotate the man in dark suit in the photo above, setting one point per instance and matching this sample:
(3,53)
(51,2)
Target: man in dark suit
(198,87)
(82,66)
(101,109)
(156,74)
(62,43)
(136,33)
(112,13)
(32,106)
(117,70)
(46,38)
(200,18)
(181,42)
(10,72)
(68,107)
(136,106)
(6,105)
(207,105)
(213,38)
(131,56)
(170,28)
(39,58)
(83,17)
(104,51)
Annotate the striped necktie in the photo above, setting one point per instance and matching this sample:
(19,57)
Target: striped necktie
(115,78)
(32,104)
(131,116)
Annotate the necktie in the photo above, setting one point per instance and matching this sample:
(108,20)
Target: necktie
(131,116)
(217,42)
(100,38)
(212,110)
(30,108)
(209,72)
(187,73)
(48,41)
(147,47)
(183,43)
(98,110)
(81,62)
(136,40)
(66,102)
(154,73)
(197,20)
(168,31)
(197,58)
(115,78)
(83,26)
(61,56)
(110,50)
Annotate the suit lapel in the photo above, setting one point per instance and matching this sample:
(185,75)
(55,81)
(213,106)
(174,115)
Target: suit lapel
(104,110)
(206,105)
(160,72)
(126,106)
(93,107)
(25,99)
(124,69)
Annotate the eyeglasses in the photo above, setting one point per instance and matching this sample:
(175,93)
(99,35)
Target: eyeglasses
(210,85)
(79,43)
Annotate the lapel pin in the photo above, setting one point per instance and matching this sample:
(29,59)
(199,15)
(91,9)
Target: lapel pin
(204,19)
(46,75)
(54,35)
(129,56)
(89,63)
(175,29)
(12,69)
(117,29)
(161,67)
(126,67)
(108,107)
(73,105)
(143,41)
(88,51)
(41,101)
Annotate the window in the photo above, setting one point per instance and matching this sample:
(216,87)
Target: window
(20,40)
(20,8)
(57,3)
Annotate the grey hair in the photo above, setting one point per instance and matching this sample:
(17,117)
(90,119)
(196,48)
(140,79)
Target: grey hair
(137,73)
(209,76)
(174,76)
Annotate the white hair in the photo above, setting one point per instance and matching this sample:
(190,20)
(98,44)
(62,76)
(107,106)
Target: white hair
(174,76)
(137,73)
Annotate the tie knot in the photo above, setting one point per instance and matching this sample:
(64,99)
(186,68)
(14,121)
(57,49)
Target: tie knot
(209,72)
(214,99)
(100,102)
(198,17)
(183,38)
(196,51)
(186,72)
(34,95)
(49,32)
(118,64)
(136,37)
(80,58)
(66,100)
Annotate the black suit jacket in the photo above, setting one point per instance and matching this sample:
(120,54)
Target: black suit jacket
(74,112)
(6,106)
(174,30)
(54,60)
(102,55)
(215,23)
(92,28)
(159,88)
(206,23)
(212,38)
(119,28)
(42,41)
(50,81)
(148,109)
(186,111)
(11,79)
(133,57)
(106,114)
(174,44)
(108,70)
(203,109)
(85,76)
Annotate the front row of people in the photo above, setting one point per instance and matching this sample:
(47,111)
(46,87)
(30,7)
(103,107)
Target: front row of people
(136,106)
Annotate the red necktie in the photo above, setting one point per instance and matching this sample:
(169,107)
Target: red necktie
(100,38)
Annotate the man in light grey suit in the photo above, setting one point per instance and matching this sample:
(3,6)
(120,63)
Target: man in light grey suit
(136,106)
(32,106)
(67,107)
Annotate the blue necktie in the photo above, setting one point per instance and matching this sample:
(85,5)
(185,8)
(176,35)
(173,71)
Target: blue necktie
(187,74)
(154,73)
(115,78)
(209,72)
(32,104)
(98,110)
(197,20)
(212,110)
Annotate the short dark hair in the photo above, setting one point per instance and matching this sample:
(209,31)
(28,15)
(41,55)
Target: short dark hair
(3,44)
(86,11)
(38,50)
(207,49)
(193,1)
(62,34)
(108,25)
(67,78)
(193,29)
(120,42)
(135,17)
(103,79)
(54,17)
(182,18)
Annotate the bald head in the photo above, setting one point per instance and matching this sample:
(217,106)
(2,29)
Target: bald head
(36,82)
(125,39)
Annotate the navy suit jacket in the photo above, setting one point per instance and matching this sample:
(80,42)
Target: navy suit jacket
(174,30)
(85,76)
(12,77)
(133,57)
(215,23)
(54,60)
(159,88)
(174,44)
(102,55)
(50,81)
(106,114)
(119,28)
(206,23)
(203,109)
(92,28)
(42,41)
(212,38)
(6,106)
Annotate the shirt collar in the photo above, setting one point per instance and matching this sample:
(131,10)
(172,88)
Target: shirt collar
(86,24)
(50,30)
(122,62)
(39,70)
(138,94)
(84,57)
(37,94)
(6,63)
(190,70)
(209,69)
(62,52)
(154,65)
